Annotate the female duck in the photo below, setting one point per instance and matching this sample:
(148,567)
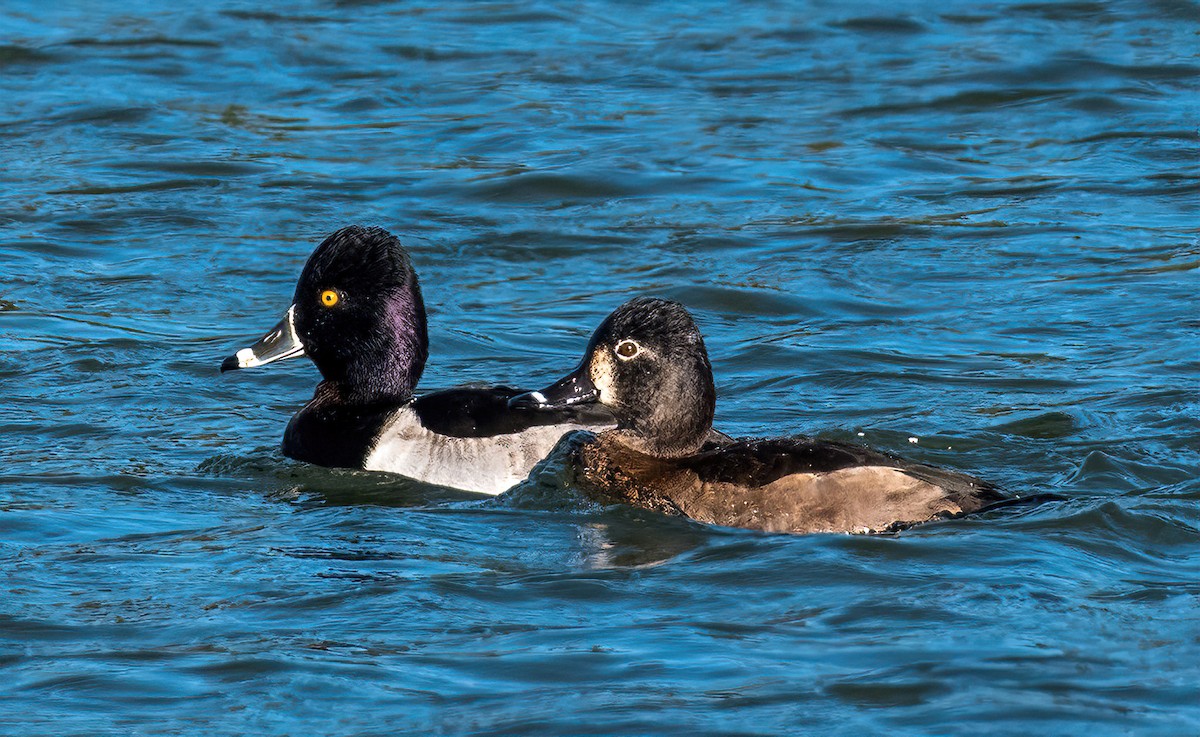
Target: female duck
(647,363)
(358,314)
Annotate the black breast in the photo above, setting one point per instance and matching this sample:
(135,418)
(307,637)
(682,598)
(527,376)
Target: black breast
(483,412)
(330,434)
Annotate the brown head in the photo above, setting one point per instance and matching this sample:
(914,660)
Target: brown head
(647,363)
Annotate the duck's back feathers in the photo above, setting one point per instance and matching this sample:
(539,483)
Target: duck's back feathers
(760,462)
(785,485)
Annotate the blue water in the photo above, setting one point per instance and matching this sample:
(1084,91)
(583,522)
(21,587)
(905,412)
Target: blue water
(971,224)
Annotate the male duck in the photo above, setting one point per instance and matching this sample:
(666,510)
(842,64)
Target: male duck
(647,362)
(358,314)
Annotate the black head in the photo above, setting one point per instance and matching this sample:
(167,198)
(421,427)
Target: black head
(647,362)
(358,314)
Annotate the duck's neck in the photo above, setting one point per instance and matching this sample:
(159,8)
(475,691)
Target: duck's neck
(676,423)
(654,446)
(363,393)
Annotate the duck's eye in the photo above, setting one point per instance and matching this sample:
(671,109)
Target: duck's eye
(329,298)
(627,349)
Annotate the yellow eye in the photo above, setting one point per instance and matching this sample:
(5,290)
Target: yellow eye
(329,298)
(627,349)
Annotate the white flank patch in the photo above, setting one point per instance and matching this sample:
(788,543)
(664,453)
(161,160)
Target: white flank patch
(487,465)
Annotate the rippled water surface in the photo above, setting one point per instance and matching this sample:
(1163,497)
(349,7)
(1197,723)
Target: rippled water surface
(972,224)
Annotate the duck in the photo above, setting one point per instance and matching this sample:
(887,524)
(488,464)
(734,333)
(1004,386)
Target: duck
(647,363)
(358,315)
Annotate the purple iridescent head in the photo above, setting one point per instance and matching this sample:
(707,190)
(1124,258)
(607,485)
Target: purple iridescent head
(359,315)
